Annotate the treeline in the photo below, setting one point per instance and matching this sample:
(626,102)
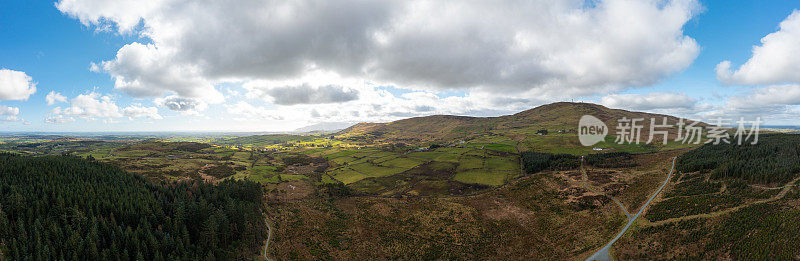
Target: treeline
(611,160)
(68,208)
(775,158)
(538,161)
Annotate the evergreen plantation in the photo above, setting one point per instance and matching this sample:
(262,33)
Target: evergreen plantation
(69,208)
(775,158)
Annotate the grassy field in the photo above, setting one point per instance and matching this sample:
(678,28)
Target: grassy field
(478,176)
(474,165)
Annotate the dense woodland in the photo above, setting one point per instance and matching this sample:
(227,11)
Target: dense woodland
(611,160)
(69,208)
(538,161)
(775,158)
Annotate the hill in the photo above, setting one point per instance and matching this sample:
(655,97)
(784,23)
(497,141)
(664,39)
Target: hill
(559,119)
(262,140)
(324,127)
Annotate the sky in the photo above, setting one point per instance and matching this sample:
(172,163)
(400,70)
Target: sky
(177,65)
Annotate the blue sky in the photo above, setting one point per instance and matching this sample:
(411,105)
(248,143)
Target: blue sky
(56,48)
(725,30)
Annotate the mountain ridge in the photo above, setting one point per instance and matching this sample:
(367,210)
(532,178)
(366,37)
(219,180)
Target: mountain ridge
(554,117)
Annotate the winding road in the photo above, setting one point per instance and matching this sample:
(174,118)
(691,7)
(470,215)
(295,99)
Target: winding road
(605,252)
(269,236)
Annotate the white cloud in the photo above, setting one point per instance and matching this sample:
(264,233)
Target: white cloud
(15,85)
(772,71)
(763,98)
(58,119)
(6,110)
(649,101)
(773,62)
(543,47)
(93,106)
(774,104)
(127,13)
(379,105)
(252,112)
(138,111)
(10,118)
(54,97)
(304,94)
(9,113)
(148,71)
(88,106)
(186,106)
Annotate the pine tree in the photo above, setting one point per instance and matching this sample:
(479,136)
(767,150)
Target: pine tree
(4,224)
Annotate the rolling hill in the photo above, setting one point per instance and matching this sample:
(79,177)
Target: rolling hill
(559,119)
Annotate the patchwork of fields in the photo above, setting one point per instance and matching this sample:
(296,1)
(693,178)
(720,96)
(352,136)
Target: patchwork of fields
(460,166)
(393,172)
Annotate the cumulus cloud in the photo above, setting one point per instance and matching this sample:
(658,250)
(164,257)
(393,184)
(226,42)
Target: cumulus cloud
(186,106)
(58,119)
(10,118)
(15,85)
(138,111)
(87,106)
(305,94)
(249,111)
(127,13)
(774,104)
(147,71)
(649,101)
(6,110)
(773,62)
(93,106)
(773,97)
(8,113)
(379,105)
(559,46)
(54,97)
(548,46)
(772,71)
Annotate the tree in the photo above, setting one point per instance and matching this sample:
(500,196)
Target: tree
(65,207)
(4,223)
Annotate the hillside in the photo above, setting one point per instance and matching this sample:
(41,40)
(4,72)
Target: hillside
(262,140)
(713,211)
(428,128)
(565,115)
(559,119)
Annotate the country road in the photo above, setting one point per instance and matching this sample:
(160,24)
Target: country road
(269,236)
(604,253)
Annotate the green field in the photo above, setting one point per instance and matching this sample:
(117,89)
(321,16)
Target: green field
(402,162)
(493,178)
(469,163)
(473,165)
